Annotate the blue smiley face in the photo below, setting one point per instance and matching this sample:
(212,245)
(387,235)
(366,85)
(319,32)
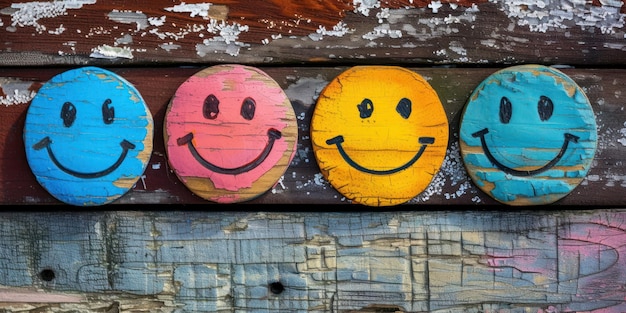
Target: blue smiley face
(528,135)
(88,136)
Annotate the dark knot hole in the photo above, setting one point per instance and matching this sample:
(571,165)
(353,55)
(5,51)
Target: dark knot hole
(277,287)
(47,275)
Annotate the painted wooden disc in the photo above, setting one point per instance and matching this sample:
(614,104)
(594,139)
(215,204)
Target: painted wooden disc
(379,134)
(88,136)
(528,135)
(230,133)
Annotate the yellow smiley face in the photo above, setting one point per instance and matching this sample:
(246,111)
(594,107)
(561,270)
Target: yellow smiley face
(379,134)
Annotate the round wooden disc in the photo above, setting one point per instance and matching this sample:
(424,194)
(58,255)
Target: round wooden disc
(88,136)
(528,135)
(230,133)
(379,134)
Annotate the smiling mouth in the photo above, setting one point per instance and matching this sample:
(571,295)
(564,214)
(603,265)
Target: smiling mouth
(45,143)
(481,133)
(425,141)
(272,135)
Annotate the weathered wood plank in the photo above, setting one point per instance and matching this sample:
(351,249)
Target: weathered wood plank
(410,261)
(303,182)
(334,31)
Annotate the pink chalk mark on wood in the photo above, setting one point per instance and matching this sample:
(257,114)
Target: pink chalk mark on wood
(22,295)
(597,248)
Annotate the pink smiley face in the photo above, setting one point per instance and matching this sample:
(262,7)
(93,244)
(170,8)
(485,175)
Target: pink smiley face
(230,133)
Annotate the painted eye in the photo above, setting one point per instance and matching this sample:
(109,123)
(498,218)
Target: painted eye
(366,107)
(404,108)
(545,107)
(108,113)
(211,107)
(247,108)
(506,110)
(68,114)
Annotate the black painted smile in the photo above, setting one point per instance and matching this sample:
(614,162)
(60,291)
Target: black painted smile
(45,143)
(339,140)
(272,135)
(481,133)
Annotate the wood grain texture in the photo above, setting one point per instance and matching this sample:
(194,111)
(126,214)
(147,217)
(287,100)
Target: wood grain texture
(528,135)
(88,136)
(328,31)
(230,133)
(411,261)
(379,134)
(303,182)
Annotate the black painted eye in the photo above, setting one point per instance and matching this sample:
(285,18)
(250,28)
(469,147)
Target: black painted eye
(108,113)
(404,108)
(68,114)
(211,107)
(247,108)
(366,107)
(545,107)
(506,110)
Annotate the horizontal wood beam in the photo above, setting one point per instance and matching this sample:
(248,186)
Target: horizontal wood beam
(303,182)
(410,261)
(313,32)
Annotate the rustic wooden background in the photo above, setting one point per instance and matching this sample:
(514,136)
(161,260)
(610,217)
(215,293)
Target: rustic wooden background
(159,248)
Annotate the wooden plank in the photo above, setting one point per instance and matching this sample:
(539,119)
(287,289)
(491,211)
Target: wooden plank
(408,261)
(303,183)
(474,32)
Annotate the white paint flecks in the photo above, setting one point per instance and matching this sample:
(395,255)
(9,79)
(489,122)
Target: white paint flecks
(128,17)
(109,52)
(169,46)
(434,6)
(196,9)
(364,6)
(541,16)
(383,30)
(622,132)
(226,40)
(339,30)
(15,91)
(29,13)
(156,21)
(453,173)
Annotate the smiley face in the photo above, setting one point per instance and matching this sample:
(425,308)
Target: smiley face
(230,133)
(88,136)
(528,135)
(379,134)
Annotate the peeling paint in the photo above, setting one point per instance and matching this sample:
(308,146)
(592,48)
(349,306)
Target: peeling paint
(128,17)
(15,92)
(541,16)
(622,132)
(196,9)
(226,41)
(109,52)
(29,13)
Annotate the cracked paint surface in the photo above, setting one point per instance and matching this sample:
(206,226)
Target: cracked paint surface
(216,28)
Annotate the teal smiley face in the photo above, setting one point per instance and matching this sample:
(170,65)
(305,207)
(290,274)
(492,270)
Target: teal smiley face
(528,135)
(88,136)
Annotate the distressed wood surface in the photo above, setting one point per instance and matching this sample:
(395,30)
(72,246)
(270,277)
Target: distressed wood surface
(426,255)
(379,134)
(88,136)
(402,261)
(303,182)
(580,33)
(230,133)
(528,135)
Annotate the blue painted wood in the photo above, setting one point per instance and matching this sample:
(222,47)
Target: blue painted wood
(528,135)
(88,136)
(411,261)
